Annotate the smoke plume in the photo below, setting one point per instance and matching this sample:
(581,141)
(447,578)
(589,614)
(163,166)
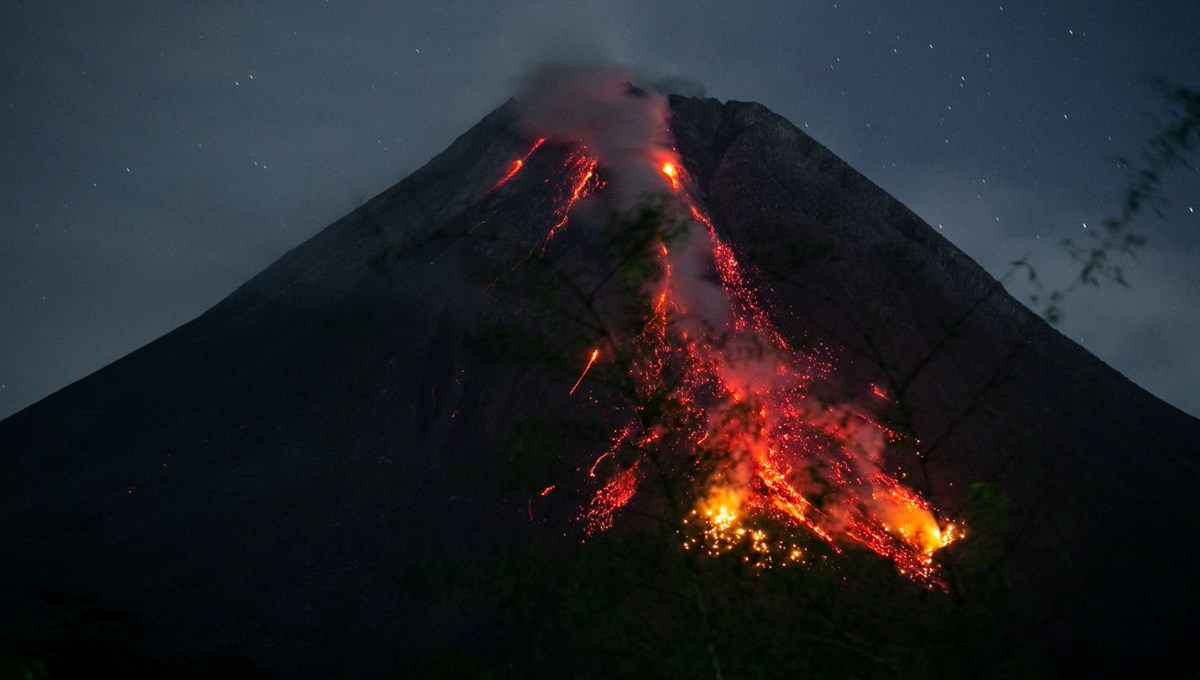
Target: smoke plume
(600,109)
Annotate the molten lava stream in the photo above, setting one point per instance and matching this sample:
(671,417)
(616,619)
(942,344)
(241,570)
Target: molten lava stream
(582,169)
(518,164)
(783,447)
(588,367)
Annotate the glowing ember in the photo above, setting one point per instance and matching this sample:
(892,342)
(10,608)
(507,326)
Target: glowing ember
(773,455)
(880,392)
(608,500)
(582,169)
(518,164)
(671,172)
(591,360)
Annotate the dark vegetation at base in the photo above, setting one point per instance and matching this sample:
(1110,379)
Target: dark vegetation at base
(630,602)
(89,640)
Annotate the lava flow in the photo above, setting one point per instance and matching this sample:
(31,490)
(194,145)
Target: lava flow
(518,164)
(591,360)
(581,168)
(767,457)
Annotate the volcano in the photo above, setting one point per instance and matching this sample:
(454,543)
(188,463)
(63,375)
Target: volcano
(617,382)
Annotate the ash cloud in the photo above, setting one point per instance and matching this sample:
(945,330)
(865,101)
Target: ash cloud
(598,106)
(622,117)
(665,79)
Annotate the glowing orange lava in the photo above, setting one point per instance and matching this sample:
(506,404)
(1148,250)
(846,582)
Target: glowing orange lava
(778,459)
(609,499)
(518,164)
(582,168)
(671,172)
(591,360)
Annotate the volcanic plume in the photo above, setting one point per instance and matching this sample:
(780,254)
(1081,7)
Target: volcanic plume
(567,400)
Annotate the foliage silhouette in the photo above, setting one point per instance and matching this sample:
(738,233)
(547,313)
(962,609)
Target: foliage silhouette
(1099,257)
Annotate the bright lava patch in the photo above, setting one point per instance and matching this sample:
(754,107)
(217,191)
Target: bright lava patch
(778,459)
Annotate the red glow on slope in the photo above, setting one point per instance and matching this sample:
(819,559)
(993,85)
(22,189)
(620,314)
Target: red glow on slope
(518,164)
(843,445)
(582,169)
(783,460)
(609,499)
(671,172)
(591,360)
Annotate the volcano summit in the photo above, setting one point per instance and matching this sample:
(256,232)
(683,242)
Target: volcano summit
(617,382)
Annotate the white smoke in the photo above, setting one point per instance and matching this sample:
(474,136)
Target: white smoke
(598,107)
(622,119)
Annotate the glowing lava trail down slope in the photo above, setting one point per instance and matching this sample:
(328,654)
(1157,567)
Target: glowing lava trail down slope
(765,459)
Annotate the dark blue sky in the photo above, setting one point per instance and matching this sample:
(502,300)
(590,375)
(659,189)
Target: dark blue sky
(156,155)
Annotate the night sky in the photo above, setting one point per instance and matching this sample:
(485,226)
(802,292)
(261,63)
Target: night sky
(157,155)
